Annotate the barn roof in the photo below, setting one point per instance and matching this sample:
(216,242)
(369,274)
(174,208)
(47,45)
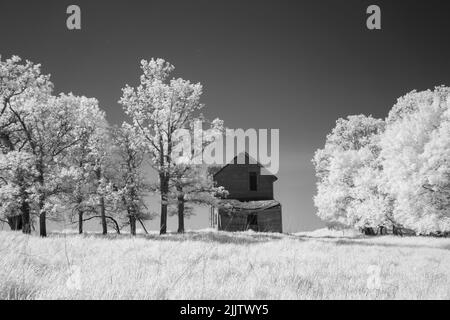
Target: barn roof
(232,204)
(216,170)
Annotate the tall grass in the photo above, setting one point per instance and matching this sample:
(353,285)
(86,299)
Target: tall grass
(219,265)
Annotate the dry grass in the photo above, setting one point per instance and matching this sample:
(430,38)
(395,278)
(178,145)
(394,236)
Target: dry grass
(216,265)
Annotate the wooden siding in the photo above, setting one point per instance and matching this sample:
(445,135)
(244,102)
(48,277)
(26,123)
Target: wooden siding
(234,222)
(269,220)
(235,179)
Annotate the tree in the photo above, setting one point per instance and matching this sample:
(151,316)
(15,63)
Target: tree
(158,107)
(415,153)
(393,173)
(348,170)
(49,127)
(130,186)
(17,175)
(82,196)
(191,182)
(17,82)
(193,186)
(101,151)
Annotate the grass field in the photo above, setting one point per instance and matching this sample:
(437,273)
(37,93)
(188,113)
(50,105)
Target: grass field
(218,265)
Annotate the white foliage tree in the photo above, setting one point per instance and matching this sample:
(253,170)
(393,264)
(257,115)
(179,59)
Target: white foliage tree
(416,153)
(159,107)
(393,173)
(17,175)
(18,81)
(192,183)
(347,170)
(130,184)
(50,126)
(82,196)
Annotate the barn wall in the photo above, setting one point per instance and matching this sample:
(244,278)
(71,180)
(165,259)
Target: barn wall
(268,220)
(235,179)
(234,222)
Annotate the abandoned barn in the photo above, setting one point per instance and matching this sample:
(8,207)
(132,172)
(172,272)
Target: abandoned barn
(250,203)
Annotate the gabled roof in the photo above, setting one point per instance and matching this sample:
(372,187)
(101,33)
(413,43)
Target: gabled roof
(250,161)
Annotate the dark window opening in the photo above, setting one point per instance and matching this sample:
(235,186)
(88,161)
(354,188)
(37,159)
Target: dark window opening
(252,222)
(253,181)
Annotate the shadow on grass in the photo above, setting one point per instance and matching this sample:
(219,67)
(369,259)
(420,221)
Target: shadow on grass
(247,238)
(330,237)
(389,245)
(242,238)
(219,237)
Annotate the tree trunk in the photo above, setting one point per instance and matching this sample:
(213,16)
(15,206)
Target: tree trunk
(368,231)
(143,225)
(15,223)
(180,210)
(26,223)
(102,204)
(133,209)
(103,215)
(42,217)
(133,224)
(80,221)
(397,231)
(42,213)
(164,186)
(42,224)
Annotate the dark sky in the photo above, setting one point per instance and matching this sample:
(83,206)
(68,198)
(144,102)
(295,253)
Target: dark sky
(292,65)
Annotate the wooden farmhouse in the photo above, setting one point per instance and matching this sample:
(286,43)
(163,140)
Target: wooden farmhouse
(250,203)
